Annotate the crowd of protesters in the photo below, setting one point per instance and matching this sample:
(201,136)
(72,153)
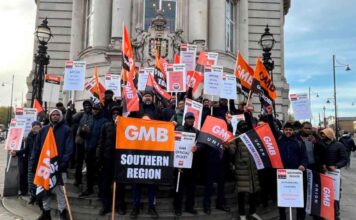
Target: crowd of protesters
(89,136)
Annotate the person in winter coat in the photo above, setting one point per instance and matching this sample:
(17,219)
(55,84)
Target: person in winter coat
(206,110)
(177,118)
(246,175)
(294,156)
(106,164)
(91,143)
(170,110)
(24,155)
(150,112)
(64,142)
(335,157)
(187,181)
(82,122)
(108,104)
(349,144)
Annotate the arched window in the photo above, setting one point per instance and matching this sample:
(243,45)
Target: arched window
(229,25)
(169,8)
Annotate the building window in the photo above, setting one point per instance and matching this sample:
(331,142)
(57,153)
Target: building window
(169,8)
(229,25)
(88,41)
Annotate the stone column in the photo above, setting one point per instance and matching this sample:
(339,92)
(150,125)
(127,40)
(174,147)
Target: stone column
(217,25)
(101,22)
(198,21)
(76,38)
(243,40)
(121,13)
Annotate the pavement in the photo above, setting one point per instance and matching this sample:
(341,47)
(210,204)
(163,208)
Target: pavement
(12,209)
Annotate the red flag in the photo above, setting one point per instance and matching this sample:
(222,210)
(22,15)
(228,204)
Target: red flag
(153,85)
(159,73)
(244,75)
(129,94)
(47,168)
(37,105)
(98,92)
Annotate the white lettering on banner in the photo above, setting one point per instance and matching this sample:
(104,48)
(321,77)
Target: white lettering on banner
(326,196)
(141,173)
(269,145)
(244,75)
(133,133)
(144,160)
(249,145)
(221,132)
(129,91)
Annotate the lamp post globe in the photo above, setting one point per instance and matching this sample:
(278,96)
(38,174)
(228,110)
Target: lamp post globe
(267,43)
(43,32)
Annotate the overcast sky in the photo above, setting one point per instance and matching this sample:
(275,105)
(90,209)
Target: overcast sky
(314,30)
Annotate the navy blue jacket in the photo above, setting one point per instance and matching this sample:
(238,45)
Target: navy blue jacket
(92,141)
(293,152)
(64,141)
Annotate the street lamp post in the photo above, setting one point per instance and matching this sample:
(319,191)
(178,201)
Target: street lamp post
(43,34)
(12,94)
(324,117)
(335,100)
(267,42)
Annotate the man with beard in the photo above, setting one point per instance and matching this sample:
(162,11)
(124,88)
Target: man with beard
(108,103)
(206,110)
(64,142)
(150,112)
(335,157)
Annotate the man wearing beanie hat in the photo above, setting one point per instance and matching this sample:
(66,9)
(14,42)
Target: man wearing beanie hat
(64,142)
(294,156)
(335,157)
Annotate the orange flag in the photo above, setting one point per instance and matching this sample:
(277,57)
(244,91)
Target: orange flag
(97,90)
(37,105)
(47,168)
(129,94)
(263,84)
(244,75)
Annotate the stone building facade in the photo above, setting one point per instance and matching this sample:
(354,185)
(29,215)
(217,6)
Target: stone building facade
(91,30)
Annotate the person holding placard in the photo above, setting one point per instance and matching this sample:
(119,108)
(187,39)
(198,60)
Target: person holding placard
(335,157)
(188,176)
(294,156)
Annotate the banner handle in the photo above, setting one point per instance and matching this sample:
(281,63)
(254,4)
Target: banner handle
(176,99)
(8,164)
(290,213)
(178,180)
(67,201)
(249,97)
(211,108)
(113,201)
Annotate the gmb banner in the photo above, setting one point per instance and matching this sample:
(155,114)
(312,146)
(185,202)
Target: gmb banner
(145,151)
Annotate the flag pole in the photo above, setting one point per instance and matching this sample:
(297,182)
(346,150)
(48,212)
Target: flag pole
(113,201)
(178,179)
(67,201)
(249,97)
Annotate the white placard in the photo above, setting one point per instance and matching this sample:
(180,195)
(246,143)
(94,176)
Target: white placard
(228,87)
(51,88)
(183,155)
(290,188)
(212,58)
(196,108)
(176,75)
(74,75)
(336,175)
(26,114)
(142,78)
(113,82)
(212,80)
(188,56)
(301,106)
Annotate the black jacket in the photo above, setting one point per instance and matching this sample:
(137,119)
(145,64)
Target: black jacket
(348,143)
(27,150)
(335,154)
(107,141)
(293,152)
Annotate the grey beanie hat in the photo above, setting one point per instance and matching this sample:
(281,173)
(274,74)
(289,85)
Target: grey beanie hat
(60,114)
